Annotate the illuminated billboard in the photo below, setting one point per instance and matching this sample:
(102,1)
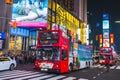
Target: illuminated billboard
(106,43)
(106,33)
(105,24)
(30,13)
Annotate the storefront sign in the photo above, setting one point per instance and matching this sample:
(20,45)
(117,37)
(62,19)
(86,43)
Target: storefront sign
(19,32)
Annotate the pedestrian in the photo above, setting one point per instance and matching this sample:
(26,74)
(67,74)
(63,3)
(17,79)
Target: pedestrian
(107,63)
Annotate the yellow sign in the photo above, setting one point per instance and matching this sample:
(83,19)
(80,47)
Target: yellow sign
(63,17)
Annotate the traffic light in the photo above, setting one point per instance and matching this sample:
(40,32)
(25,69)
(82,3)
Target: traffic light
(14,24)
(9,1)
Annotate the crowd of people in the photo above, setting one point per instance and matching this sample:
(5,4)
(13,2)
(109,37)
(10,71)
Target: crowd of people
(23,57)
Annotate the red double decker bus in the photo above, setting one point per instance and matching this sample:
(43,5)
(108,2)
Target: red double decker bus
(52,51)
(56,52)
(106,52)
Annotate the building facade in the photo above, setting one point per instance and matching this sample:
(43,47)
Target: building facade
(72,14)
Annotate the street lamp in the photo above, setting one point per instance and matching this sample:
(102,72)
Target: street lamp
(14,25)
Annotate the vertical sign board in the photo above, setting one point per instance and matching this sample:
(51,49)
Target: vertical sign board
(106,33)
(105,25)
(106,43)
(111,38)
(101,38)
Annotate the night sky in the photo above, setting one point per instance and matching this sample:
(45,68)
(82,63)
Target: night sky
(95,10)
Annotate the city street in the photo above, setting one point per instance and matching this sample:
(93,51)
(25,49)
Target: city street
(77,39)
(27,72)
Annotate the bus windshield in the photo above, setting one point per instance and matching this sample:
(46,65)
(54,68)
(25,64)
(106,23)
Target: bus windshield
(48,53)
(102,57)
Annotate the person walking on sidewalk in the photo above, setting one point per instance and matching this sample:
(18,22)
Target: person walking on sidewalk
(107,63)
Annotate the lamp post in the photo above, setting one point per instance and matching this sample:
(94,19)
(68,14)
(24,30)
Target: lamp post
(15,39)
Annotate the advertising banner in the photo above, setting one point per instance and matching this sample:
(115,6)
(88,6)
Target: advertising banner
(106,43)
(30,13)
(105,24)
(106,33)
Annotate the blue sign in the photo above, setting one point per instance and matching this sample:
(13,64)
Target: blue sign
(19,32)
(2,35)
(105,16)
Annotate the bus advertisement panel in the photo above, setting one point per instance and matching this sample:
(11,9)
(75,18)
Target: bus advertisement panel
(56,53)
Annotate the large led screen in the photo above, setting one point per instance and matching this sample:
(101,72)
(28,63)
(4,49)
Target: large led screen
(31,13)
(105,24)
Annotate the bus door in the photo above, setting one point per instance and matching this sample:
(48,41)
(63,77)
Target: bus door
(64,61)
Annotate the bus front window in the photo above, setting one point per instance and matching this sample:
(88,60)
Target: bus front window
(48,54)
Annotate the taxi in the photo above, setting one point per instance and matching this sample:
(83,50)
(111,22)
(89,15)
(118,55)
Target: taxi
(7,63)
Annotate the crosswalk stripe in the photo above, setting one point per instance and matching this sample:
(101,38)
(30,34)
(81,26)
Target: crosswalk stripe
(31,75)
(42,77)
(12,72)
(56,77)
(26,77)
(82,79)
(69,78)
(113,67)
(28,74)
(17,73)
(118,67)
(8,72)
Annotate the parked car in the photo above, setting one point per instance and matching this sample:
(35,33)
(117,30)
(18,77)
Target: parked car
(7,63)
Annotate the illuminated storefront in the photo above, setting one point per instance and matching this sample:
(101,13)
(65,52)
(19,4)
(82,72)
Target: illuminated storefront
(22,35)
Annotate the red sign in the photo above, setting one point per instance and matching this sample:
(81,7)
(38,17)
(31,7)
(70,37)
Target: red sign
(111,38)
(101,39)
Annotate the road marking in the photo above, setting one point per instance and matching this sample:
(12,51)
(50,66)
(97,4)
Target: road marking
(69,78)
(57,77)
(113,67)
(17,75)
(42,77)
(8,72)
(82,79)
(101,72)
(31,75)
(98,74)
(118,67)
(94,77)
(26,77)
